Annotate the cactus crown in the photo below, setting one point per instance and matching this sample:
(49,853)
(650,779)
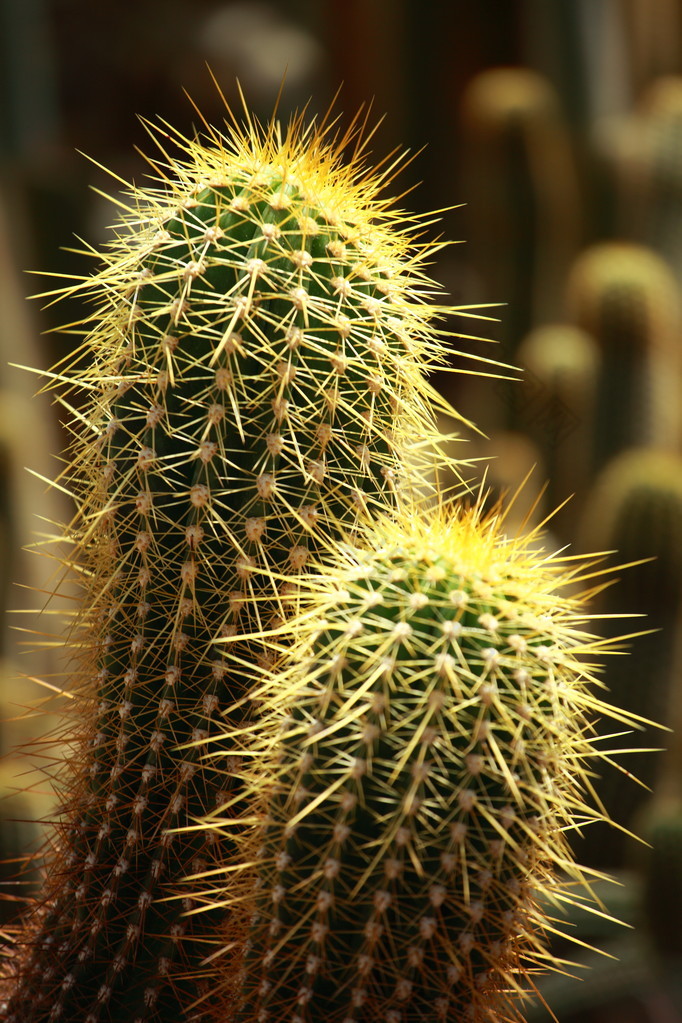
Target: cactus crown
(419,756)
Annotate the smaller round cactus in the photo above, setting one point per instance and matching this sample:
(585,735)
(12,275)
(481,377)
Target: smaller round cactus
(419,755)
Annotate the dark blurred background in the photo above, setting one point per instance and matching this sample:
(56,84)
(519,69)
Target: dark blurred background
(550,132)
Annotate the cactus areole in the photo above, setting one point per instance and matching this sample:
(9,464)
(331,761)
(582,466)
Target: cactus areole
(252,375)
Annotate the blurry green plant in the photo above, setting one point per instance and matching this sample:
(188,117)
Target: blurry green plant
(635,508)
(560,364)
(521,188)
(648,170)
(626,298)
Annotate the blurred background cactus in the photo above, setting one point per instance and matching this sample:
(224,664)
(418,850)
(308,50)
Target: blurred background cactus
(596,161)
(635,508)
(625,297)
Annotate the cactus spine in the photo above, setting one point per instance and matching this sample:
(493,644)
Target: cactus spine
(421,753)
(254,376)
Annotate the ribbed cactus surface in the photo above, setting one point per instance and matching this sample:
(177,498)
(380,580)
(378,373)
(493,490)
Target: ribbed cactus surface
(422,751)
(252,374)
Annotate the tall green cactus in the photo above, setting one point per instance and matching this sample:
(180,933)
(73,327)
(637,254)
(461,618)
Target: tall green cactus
(521,187)
(560,364)
(423,750)
(649,170)
(635,508)
(252,374)
(626,297)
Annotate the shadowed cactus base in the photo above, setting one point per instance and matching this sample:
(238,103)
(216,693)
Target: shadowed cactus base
(421,753)
(252,376)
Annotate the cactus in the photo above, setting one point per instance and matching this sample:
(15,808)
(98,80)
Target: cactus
(652,42)
(421,752)
(625,296)
(560,364)
(522,191)
(252,374)
(555,42)
(663,877)
(661,869)
(635,508)
(648,170)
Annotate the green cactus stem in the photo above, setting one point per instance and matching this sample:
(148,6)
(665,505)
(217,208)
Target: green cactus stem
(635,509)
(648,167)
(252,374)
(561,367)
(422,751)
(521,188)
(663,879)
(626,297)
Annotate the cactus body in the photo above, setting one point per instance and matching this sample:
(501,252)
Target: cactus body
(520,178)
(635,508)
(420,758)
(651,187)
(560,373)
(663,879)
(625,296)
(254,375)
